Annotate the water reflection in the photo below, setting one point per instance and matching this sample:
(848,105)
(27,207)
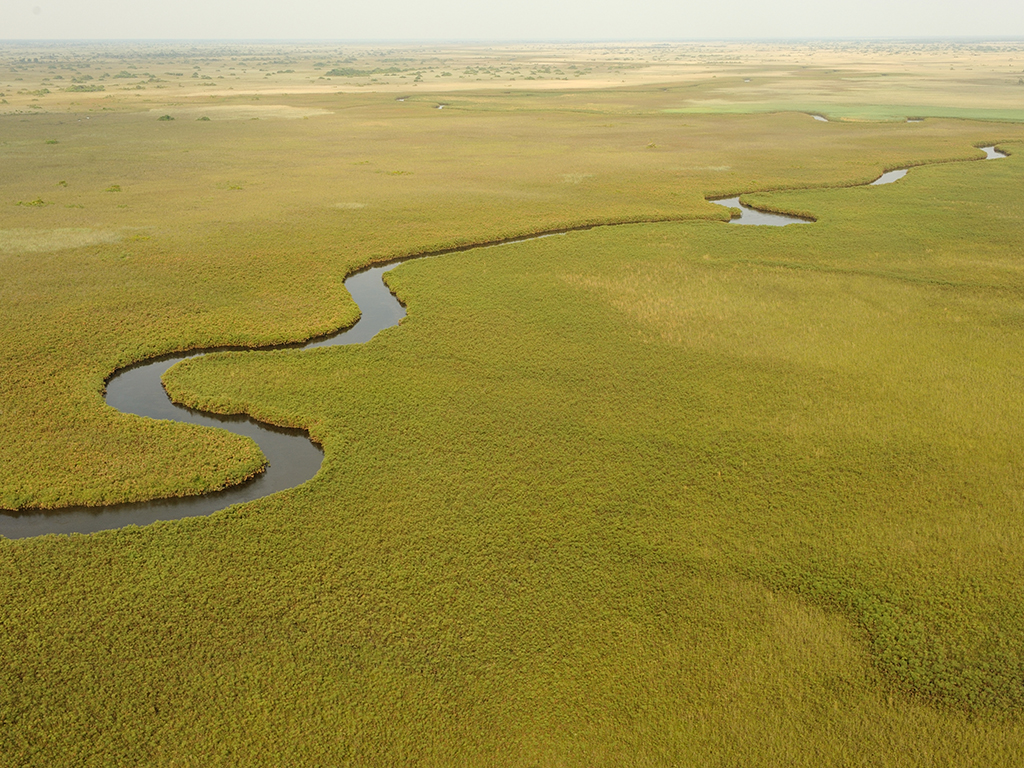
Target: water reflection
(757,218)
(889,177)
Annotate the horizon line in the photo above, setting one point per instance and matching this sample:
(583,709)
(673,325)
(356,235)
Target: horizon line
(517,41)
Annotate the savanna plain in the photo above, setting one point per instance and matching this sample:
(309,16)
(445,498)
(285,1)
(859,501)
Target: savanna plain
(666,491)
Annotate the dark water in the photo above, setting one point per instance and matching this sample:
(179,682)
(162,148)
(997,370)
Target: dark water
(292,458)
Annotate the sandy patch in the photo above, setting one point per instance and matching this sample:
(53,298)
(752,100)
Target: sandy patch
(349,206)
(241,112)
(46,240)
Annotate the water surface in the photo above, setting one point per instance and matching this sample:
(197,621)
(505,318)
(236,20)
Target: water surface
(754,217)
(889,177)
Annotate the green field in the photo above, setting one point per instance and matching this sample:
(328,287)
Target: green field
(670,492)
(858,111)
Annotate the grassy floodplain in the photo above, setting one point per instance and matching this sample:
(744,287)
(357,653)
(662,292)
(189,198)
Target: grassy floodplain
(666,493)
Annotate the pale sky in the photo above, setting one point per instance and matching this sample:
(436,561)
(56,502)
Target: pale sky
(519,20)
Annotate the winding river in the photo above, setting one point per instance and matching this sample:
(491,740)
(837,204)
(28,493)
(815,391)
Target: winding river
(292,458)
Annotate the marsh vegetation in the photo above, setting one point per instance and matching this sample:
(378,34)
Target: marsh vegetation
(671,492)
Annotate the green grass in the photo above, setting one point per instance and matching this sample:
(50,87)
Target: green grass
(857,111)
(676,493)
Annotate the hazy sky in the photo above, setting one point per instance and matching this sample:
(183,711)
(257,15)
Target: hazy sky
(517,20)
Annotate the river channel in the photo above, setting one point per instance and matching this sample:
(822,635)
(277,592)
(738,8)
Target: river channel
(292,458)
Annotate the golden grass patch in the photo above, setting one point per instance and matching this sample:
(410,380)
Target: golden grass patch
(242,112)
(42,241)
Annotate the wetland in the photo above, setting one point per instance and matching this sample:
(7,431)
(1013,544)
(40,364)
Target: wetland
(291,459)
(661,492)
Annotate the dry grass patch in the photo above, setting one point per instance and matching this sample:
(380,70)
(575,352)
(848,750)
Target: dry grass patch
(13,241)
(242,112)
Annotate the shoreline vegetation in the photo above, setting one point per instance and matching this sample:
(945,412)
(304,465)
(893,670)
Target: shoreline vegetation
(672,493)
